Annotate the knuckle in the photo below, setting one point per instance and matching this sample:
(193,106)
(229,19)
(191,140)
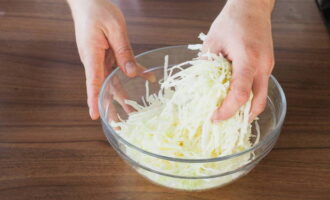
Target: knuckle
(270,63)
(252,50)
(260,108)
(211,44)
(267,67)
(208,41)
(248,71)
(123,50)
(242,95)
(268,72)
(270,60)
(258,59)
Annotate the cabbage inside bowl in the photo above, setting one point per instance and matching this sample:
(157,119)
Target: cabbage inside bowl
(183,173)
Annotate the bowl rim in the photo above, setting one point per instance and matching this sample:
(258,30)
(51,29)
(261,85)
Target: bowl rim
(274,132)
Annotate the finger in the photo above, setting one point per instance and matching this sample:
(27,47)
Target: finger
(209,45)
(239,93)
(125,58)
(94,70)
(109,63)
(119,94)
(111,111)
(259,102)
(116,90)
(123,51)
(142,71)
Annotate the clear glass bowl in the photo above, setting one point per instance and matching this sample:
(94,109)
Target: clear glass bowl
(270,122)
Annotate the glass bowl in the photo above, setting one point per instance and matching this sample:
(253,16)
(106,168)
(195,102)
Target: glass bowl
(146,163)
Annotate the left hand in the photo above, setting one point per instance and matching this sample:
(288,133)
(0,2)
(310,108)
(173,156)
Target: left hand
(242,33)
(103,43)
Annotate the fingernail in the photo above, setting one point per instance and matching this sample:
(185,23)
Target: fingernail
(130,68)
(220,116)
(215,118)
(251,117)
(90,113)
(215,121)
(93,115)
(153,78)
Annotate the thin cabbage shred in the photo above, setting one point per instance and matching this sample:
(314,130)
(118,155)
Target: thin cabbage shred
(176,122)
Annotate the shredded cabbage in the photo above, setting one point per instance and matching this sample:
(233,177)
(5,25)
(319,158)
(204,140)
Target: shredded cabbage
(176,122)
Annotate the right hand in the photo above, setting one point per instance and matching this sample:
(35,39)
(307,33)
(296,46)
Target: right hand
(242,32)
(103,43)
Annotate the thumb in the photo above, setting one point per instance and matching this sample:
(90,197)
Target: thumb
(240,89)
(123,53)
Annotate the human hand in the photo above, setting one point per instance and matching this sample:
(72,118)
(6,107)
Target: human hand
(242,33)
(102,41)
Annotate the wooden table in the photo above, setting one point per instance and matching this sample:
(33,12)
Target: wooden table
(50,149)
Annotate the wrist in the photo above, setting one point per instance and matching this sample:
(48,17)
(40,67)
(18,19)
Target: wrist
(262,5)
(79,7)
(77,4)
(71,4)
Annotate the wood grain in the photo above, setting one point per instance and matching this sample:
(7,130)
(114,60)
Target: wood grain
(50,149)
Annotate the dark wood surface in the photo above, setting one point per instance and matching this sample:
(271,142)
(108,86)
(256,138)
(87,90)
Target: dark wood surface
(50,149)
